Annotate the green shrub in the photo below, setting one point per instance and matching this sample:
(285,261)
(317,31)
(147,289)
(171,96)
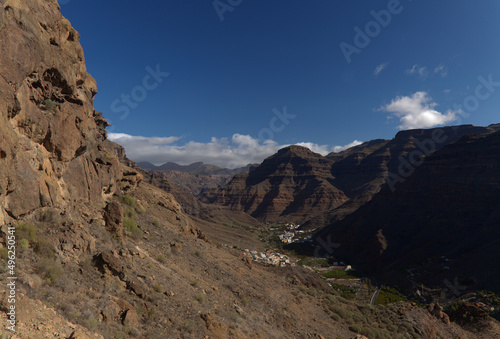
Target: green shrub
(90,323)
(200,297)
(49,104)
(355,328)
(156,222)
(130,213)
(358,318)
(341,311)
(342,274)
(26,231)
(44,247)
(389,295)
(161,258)
(245,301)
(131,228)
(331,298)
(24,243)
(312,292)
(189,326)
(50,270)
(157,288)
(128,200)
(195,283)
(346,292)
(313,262)
(368,332)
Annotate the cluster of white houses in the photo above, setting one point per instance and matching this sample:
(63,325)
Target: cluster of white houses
(269,257)
(293,234)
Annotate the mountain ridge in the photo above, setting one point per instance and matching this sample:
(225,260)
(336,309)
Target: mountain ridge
(196,168)
(349,178)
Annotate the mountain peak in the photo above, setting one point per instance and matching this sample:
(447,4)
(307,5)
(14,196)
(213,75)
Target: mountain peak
(296,149)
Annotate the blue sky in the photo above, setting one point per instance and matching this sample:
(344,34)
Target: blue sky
(274,73)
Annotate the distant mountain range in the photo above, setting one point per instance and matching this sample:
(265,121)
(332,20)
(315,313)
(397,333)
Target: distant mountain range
(197,168)
(299,185)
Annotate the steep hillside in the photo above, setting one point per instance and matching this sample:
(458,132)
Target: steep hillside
(286,186)
(448,207)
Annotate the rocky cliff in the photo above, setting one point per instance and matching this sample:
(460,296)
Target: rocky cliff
(51,152)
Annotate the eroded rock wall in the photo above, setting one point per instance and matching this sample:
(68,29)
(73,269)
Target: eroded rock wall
(51,138)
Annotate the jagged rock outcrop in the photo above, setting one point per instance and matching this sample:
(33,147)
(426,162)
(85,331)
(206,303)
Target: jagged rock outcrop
(437,311)
(113,217)
(51,145)
(288,186)
(51,136)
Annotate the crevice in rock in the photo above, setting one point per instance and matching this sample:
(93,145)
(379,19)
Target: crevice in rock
(80,151)
(71,36)
(53,76)
(73,100)
(47,143)
(53,42)
(14,110)
(10,214)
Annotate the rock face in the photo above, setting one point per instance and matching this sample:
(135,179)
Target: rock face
(449,206)
(51,150)
(286,186)
(113,217)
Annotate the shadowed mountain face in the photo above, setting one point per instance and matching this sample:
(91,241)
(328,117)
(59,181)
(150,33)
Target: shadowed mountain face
(362,170)
(286,186)
(450,206)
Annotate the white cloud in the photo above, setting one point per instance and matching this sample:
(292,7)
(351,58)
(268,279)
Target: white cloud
(380,68)
(421,71)
(417,111)
(442,70)
(239,151)
(337,149)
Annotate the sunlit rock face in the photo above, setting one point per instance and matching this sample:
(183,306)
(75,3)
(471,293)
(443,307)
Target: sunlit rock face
(50,134)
